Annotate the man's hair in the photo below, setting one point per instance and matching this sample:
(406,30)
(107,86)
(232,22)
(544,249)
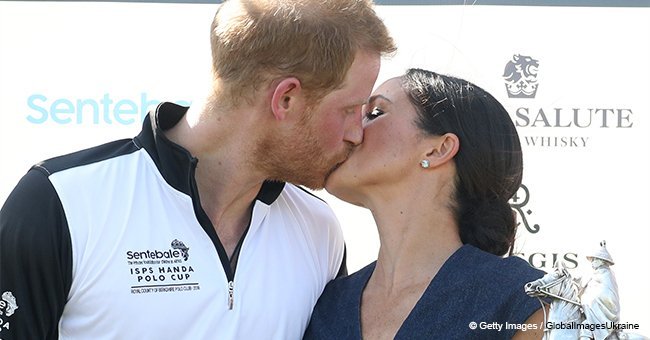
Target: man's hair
(255,41)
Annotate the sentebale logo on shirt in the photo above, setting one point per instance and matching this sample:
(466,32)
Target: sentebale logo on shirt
(161,270)
(179,250)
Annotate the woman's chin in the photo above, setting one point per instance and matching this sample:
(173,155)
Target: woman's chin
(333,183)
(339,186)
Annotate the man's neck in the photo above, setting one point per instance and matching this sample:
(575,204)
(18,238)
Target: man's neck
(226,181)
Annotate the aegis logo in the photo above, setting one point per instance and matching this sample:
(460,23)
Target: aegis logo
(537,259)
(104,110)
(179,250)
(549,260)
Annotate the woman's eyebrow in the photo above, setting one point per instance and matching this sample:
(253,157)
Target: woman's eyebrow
(375,97)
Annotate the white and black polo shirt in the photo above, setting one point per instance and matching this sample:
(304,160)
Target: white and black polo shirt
(112,243)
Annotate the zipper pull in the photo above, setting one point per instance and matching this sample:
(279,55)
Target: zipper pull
(231,292)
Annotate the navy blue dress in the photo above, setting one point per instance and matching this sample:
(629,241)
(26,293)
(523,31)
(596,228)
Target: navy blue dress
(471,286)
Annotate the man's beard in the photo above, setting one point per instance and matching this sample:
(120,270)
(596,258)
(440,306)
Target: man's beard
(297,158)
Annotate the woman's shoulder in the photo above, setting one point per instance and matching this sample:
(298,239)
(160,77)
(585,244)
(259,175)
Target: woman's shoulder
(474,285)
(498,269)
(343,288)
(499,281)
(336,312)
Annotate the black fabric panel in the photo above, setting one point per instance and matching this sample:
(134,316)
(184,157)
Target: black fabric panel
(343,269)
(35,258)
(270,191)
(310,193)
(88,156)
(174,162)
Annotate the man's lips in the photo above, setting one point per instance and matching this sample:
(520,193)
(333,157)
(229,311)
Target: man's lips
(337,165)
(343,160)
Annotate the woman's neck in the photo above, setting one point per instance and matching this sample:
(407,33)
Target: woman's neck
(416,240)
(417,236)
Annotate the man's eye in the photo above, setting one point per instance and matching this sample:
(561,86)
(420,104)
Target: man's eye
(374,113)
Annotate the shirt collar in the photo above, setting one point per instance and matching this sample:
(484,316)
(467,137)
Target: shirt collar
(174,162)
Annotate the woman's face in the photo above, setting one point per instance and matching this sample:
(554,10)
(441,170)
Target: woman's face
(389,151)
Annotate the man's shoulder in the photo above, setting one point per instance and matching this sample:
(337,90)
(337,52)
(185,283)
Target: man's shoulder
(87,156)
(302,198)
(305,193)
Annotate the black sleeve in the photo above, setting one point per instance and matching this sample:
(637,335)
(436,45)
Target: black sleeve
(343,269)
(35,260)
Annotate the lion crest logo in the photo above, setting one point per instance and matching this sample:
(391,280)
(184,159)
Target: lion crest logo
(176,244)
(520,75)
(9,303)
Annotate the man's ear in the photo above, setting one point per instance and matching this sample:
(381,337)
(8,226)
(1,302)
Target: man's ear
(285,97)
(442,149)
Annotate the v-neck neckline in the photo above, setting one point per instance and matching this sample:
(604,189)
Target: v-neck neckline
(435,281)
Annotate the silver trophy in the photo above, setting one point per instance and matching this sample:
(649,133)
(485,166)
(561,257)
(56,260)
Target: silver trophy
(588,310)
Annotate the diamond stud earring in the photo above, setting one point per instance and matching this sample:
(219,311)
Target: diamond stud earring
(424,163)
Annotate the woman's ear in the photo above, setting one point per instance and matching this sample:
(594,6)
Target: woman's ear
(285,97)
(442,149)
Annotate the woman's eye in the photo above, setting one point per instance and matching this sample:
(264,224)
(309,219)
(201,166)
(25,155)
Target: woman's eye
(374,113)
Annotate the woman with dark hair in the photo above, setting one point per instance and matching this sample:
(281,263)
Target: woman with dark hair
(439,161)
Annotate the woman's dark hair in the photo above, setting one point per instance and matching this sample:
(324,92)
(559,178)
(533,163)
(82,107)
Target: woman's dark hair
(489,161)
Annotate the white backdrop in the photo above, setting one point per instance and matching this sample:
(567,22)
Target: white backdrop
(73,75)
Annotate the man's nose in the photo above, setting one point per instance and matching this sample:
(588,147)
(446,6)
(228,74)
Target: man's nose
(354,129)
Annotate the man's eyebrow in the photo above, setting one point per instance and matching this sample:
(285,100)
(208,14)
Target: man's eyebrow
(357,103)
(370,100)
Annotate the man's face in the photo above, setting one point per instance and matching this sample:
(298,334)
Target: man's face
(323,138)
